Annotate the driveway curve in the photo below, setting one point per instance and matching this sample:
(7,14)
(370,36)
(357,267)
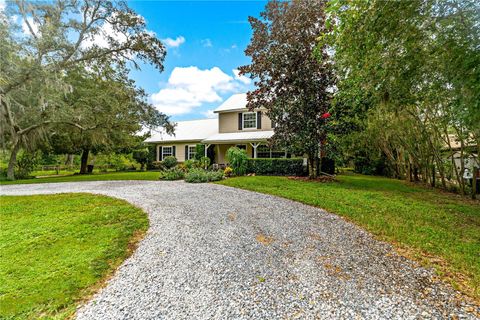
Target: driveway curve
(215,252)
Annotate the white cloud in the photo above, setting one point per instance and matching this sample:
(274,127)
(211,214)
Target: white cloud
(206,43)
(210,114)
(190,87)
(3,5)
(174,43)
(33,25)
(240,78)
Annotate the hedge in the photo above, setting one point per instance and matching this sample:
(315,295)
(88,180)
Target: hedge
(277,166)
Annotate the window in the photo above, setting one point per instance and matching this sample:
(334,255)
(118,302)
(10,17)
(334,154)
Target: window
(278,154)
(249,120)
(264,151)
(167,151)
(241,146)
(192,150)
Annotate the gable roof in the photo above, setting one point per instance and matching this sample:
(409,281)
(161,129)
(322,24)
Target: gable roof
(235,102)
(193,130)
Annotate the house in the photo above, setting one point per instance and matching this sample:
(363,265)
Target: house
(453,149)
(235,126)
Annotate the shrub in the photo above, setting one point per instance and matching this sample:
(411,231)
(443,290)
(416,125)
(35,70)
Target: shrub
(215,175)
(196,176)
(169,162)
(228,171)
(204,162)
(199,151)
(182,166)
(199,175)
(156,165)
(26,163)
(119,162)
(172,174)
(238,160)
(141,156)
(191,164)
(280,166)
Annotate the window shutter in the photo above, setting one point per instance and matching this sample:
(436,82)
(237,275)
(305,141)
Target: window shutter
(259,119)
(186,152)
(240,119)
(173,151)
(161,153)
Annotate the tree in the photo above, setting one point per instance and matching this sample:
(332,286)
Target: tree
(292,84)
(111,112)
(413,65)
(61,36)
(142,157)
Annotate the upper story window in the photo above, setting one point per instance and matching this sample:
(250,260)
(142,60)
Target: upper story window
(249,120)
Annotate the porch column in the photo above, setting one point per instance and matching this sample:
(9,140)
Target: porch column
(254,146)
(206,147)
(218,154)
(158,153)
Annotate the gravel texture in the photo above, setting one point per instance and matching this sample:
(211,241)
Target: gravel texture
(215,252)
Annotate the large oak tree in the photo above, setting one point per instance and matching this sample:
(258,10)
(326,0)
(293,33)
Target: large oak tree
(58,37)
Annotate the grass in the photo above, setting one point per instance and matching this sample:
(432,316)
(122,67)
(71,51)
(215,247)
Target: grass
(438,229)
(56,250)
(133,175)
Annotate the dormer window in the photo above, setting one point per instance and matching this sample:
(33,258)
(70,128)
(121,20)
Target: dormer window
(249,120)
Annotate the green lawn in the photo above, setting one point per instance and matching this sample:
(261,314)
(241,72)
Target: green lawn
(134,175)
(56,250)
(438,229)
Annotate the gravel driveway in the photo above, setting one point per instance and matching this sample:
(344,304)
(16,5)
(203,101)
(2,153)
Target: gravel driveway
(215,252)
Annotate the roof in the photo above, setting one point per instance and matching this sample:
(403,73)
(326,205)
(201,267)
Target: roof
(193,130)
(235,102)
(239,136)
(456,144)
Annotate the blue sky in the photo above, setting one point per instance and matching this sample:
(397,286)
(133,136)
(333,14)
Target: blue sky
(205,43)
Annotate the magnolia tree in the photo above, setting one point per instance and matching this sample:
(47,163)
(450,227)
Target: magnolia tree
(293,83)
(41,47)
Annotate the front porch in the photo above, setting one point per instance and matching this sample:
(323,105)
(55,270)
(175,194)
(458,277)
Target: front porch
(253,142)
(257,149)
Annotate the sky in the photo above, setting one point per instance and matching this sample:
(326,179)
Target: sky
(205,42)
(205,45)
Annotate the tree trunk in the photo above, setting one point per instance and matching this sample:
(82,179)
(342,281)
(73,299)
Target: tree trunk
(69,160)
(312,167)
(84,161)
(433,176)
(13,161)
